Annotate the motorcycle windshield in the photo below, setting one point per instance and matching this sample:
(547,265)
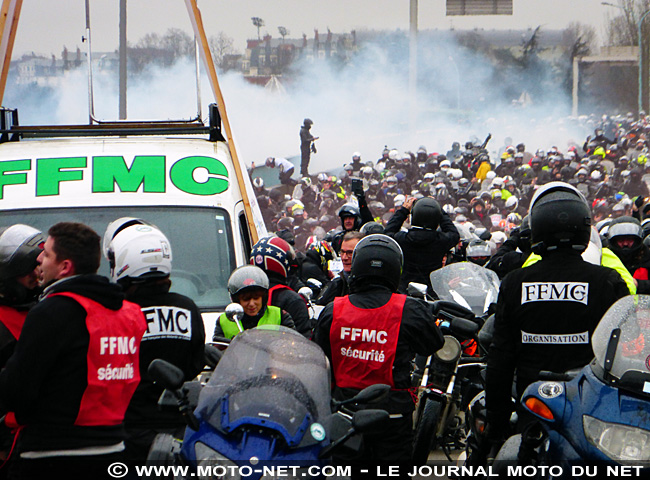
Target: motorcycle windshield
(269,376)
(467,284)
(621,343)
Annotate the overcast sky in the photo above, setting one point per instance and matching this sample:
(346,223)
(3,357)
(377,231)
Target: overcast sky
(47,25)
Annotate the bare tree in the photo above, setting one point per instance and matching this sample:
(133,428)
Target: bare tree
(220,46)
(578,39)
(623,30)
(622,27)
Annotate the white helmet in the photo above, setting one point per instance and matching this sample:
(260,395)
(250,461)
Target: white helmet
(445,164)
(497,182)
(139,251)
(596,175)
(499,237)
(512,203)
(115,227)
(490,175)
(399,200)
(456,173)
(356,156)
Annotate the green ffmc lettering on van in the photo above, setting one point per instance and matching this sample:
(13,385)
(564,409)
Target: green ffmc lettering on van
(182,175)
(50,173)
(146,170)
(7,178)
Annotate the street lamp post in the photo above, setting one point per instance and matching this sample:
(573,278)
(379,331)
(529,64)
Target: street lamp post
(640,100)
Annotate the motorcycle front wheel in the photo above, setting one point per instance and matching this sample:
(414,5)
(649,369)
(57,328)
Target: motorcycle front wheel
(425,431)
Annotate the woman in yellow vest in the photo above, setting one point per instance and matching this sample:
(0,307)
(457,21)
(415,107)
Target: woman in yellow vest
(248,285)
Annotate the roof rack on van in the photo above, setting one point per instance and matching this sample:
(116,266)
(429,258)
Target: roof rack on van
(11,131)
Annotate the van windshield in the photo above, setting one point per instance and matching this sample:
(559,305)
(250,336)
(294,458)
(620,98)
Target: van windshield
(201,240)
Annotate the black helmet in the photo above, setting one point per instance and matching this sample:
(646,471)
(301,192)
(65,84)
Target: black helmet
(247,277)
(559,217)
(369,228)
(348,210)
(377,257)
(20,245)
(625,237)
(426,213)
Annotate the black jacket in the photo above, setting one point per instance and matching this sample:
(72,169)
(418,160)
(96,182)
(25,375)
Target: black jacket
(507,258)
(418,334)
(539,326)
(423,249)
(311,268)
(292,303)
(338,287)
(175,333)
(43,382)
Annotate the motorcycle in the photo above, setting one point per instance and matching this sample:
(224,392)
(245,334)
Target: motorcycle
(266,404)
(451,375)
(598,417)
(467,284)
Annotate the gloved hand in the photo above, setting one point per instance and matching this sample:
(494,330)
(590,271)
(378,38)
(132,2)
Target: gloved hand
(313,148)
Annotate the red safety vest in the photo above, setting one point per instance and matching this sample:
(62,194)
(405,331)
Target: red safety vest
(113,360)
(13,319)
(364,342)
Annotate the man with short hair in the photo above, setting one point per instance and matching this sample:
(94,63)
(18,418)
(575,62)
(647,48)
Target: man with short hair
(339,286)
(75,366)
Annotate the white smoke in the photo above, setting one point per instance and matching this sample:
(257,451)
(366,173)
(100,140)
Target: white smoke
(360,106)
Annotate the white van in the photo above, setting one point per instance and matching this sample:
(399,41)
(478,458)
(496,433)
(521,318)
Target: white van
(180,178)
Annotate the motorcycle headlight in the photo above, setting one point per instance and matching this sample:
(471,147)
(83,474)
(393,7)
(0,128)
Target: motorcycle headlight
(209,460)
(621,443)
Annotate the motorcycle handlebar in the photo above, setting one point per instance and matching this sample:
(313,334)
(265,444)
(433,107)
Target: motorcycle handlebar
(458,326)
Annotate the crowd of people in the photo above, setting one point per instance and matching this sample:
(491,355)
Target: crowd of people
(578,217)
(74,345)
(487,198)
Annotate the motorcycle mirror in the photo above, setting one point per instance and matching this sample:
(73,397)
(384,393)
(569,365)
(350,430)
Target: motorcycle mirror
(305,292)
(212,355)
(417,290)
(234,312)
(370,421)
(169,376)
(312,282)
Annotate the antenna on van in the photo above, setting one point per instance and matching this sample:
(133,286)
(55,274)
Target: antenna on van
(86,39)
(199,33)
(9,15)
